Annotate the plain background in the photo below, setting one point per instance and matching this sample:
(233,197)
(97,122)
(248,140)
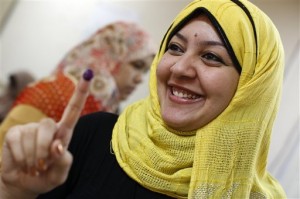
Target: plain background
(36,34)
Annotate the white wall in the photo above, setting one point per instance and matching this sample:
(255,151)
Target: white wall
(39,32)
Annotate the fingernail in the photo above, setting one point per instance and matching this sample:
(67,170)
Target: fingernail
(41,165)
(60,149)
(34,172)
(88,75)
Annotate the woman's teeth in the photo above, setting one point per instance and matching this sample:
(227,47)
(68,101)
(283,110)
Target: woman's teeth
(184,94)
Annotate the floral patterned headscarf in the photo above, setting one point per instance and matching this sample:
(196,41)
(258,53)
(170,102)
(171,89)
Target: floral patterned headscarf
(105,52)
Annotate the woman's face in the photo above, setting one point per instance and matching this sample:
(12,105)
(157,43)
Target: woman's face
(196,77)
(130,75)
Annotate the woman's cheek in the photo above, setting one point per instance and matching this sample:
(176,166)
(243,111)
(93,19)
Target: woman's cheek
(163,68)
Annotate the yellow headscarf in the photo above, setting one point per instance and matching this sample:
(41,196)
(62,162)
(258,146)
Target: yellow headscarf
(227,158)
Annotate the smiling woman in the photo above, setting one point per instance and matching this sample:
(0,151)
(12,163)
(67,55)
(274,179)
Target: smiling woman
(203,132)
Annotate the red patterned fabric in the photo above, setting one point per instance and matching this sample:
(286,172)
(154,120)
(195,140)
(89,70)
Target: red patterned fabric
(52,96)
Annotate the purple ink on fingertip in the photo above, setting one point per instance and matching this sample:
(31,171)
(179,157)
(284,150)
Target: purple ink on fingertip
(88,75)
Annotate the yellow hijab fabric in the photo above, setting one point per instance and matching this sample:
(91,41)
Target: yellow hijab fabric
(227,158)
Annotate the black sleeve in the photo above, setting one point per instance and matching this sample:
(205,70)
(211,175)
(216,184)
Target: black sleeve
(89,145)
(95,172)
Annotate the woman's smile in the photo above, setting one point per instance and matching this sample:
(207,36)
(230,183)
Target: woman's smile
(184,96)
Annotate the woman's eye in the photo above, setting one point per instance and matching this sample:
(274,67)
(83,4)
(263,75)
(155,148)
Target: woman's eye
(140,65)
(174,48)
(212,57)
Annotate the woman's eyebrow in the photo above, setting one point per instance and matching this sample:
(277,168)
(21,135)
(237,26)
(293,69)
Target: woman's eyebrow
(206,43)
(211,43)
(181,37)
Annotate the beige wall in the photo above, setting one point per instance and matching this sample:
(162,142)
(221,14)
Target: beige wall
(39,32)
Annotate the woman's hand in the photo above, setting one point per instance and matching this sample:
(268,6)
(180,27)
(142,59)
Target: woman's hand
(34,156)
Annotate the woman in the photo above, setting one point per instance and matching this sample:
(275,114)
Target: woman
(119,54)
(203,132)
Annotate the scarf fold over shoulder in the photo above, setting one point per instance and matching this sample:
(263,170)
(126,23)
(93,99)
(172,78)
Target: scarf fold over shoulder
(226,158)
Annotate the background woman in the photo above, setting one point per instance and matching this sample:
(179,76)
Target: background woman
(119,55)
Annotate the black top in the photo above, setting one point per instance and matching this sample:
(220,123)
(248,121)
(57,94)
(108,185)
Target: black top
(95,172)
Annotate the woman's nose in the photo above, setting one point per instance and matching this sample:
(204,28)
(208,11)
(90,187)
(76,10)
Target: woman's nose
(138,78)
(184,67)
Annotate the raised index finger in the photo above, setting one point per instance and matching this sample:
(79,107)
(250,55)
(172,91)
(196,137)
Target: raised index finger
(73,109)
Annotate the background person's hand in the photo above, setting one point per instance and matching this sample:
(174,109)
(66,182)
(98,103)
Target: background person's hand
(34,156)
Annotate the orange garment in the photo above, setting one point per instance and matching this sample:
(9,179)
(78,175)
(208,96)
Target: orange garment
(52,97)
